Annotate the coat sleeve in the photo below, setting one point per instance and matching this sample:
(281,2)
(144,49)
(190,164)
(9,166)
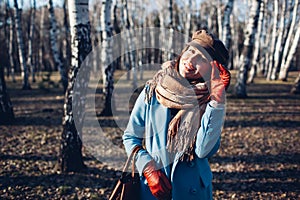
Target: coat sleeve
(208,137)
(134,132)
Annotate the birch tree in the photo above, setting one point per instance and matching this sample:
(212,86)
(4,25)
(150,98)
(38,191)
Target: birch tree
(290,43)
(171,31)
(66,41)
(278,49)
(30,40)
(71,144)
(54,47)
(226,30)
(219,18)
(106,56)
(273,40)
(245,58)
(287,63)
(129,44)
(41,37)
(21,50)
(257,45)
(11,41)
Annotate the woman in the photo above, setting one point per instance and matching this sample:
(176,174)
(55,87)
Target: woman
(178,117)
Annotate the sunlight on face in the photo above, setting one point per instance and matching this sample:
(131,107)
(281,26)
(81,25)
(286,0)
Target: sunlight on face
(193,65)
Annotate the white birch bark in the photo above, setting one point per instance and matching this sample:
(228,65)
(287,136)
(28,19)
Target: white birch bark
(11,41)
(257,44)
(245,58)
(171,31)
(71,156)
(236,52)
(21,50)
(41,36)
(106,56)
(226,34)
(187,24)
(286,65)
(66,42)
(54,47)
(129,45)
(162,35)
(31,35)
(219,18)
(273,40)
(280,34)
(288,43)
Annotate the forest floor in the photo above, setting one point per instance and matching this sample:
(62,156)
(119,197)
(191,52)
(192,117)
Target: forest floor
(258,158)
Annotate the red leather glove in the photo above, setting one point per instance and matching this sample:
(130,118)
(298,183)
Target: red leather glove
(158,182)
(223,73)
(219,81)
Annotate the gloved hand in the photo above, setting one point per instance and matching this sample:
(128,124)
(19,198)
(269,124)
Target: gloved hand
(223,73)
(158,182)
(220,80)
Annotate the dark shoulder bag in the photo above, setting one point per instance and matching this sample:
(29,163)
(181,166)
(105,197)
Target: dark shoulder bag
(128,185)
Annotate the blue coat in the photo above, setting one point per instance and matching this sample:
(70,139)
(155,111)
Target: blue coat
(149,122)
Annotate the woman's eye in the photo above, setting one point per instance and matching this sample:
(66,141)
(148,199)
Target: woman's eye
(192,50)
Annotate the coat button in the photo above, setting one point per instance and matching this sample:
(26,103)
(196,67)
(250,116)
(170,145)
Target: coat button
(191,164)
(193,190)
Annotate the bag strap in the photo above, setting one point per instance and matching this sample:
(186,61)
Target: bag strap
(132,157)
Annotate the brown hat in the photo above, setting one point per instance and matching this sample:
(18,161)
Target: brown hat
(209,45)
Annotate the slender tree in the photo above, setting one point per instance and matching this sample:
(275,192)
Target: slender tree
(66,41)
(273,40)
(71,144)
(41,37)
(54,47)
(290,43)
(22,58)
(106,56)
(257,45)
(30,40)
(278,49)
(226,31)
(245,58)
(11,41)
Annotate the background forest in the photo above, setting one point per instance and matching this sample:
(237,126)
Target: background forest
(45,45)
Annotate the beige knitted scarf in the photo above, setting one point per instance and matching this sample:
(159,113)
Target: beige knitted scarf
(175,92)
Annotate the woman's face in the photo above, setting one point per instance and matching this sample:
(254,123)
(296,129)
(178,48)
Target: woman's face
(193,65)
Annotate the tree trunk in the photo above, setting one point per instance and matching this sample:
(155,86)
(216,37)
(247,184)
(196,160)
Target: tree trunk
(273,40)
(6,108)
(285,67)
(30,40)
(226,36)
(245,58)
(54,48)
(187,24)
(66,41)
(71,145)
(12,28)
(256,51)
(41,34)
(277,50)
(106,57)
(289,44)
(170,40)
(21,50)
(219,18)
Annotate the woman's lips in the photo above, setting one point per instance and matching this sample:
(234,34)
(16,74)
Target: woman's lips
(189,67)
